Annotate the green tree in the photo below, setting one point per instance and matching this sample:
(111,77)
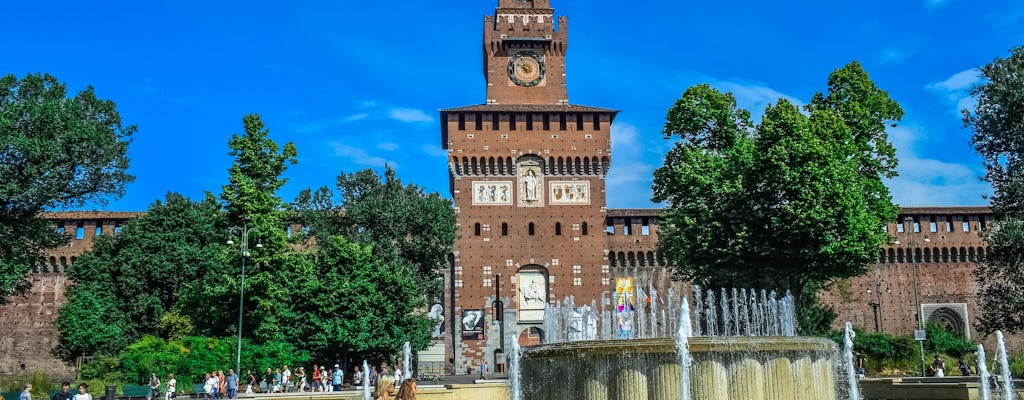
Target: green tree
(792,202)
(405,225)
(999,139)
(57,152)
(274,271)
(131,282)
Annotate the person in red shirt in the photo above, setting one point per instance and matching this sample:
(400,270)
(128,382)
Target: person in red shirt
(317,380)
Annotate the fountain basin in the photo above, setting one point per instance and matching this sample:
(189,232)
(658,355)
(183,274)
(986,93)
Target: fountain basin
(733,368)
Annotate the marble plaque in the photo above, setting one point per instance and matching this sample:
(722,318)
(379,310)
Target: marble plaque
(492,193)
(569,192)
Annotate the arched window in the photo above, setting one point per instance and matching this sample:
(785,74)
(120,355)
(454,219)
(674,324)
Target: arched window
(476,229)
(583,228)
(558,229)
(504,229)
(530,229)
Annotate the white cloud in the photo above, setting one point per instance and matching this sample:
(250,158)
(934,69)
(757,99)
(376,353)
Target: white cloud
(629,180)
(932,182)
(359,156)
(955,89)
(387,146)
(409,115)
(959,81)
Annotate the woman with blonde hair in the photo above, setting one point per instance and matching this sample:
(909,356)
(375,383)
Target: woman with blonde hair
(385,387)
(408,390)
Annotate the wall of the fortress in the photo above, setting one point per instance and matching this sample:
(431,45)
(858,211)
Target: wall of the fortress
(27,333)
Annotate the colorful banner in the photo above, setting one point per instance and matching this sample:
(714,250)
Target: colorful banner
(624,307)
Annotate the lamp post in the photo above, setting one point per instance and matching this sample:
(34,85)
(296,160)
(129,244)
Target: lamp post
(875,305)
(244,231)
(917,293)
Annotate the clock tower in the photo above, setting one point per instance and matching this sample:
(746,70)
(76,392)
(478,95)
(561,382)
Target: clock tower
(527,175)
(524,54)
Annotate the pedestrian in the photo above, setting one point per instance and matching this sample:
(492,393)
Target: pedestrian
(252,381)
(860,361)
(269,381)
(277,380)
(483,369)
(208,386)
(385,387)
(27,393)
(286,378)
(64,393)
(939,367)
(317,379)
(222,384)
(172,387)
(336,381)
(83,392)
(965,369)
(407,391)
(154,387)
(214,384)
(357,376)
(302,379)
(232,384)
(398,372)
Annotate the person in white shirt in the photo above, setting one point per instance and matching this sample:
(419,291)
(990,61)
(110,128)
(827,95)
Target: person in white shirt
(172,386)
(286,378)
(83,393)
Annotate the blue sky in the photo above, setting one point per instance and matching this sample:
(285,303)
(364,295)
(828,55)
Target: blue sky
(358,84)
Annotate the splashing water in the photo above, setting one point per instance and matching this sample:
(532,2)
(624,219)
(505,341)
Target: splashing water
(366,381)
(683,346)
(851,373)
(986,391)
(514,373)
(1004,366)
(406,362)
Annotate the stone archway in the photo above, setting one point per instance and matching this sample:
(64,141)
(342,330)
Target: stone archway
(949,319)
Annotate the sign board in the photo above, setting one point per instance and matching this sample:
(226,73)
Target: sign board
(920,334)
(472,324)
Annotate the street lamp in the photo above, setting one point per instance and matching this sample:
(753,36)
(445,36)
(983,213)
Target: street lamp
(245,231)
(917,293)
(878,299)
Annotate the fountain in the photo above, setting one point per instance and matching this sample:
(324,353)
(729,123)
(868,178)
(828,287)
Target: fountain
(366,381)
(1004,366)
(986,392)
(406,362)
(851,371)
(756,355)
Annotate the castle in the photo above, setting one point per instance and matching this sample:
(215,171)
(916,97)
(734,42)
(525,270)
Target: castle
(527,173)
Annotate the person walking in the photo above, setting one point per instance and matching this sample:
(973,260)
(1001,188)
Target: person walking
(336,382)
(286,379)
(172,387)
(269,381)
(301,377)
(252,381)
(154,387)
(385,387)
(222,384)
(232,384)
(317,379)
(27,393)
(208,386)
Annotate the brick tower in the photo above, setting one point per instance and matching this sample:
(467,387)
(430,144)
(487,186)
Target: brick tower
(527,174)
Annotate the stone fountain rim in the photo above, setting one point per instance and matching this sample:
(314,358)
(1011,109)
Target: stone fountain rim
(700,344)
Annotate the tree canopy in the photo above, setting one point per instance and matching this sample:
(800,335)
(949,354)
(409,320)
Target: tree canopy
(789,203)
(129,284)
(999,139)
(55,152)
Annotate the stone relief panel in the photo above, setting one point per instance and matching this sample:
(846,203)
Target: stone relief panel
(531,182)
(492,193)
(569,192)
(532,295)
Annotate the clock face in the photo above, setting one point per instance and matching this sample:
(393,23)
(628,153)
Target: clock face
(525,69)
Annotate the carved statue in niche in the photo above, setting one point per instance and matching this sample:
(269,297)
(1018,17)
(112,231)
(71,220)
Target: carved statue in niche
(531,182)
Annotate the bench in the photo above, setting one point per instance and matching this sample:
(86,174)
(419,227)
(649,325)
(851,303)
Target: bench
(134,391)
